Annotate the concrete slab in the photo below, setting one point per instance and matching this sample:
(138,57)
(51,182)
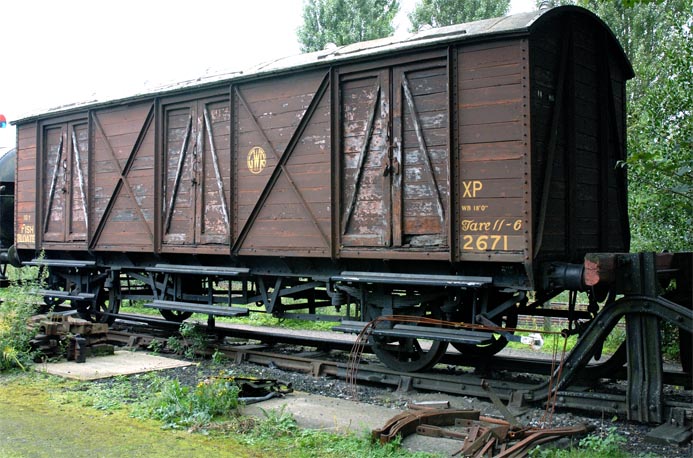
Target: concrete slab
(320,412)
(342,416)
(120,363)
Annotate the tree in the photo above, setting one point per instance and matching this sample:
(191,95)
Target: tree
(658,40)
(660,142)
(345,21)
(656,36)
(439,13)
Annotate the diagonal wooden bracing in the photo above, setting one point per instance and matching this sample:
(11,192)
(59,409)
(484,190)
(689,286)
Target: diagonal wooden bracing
(217,172)
(553,139)
(54,181)
(80,178)
(179,173)
(122,180)
(361,160)
(281,164)
(422,145)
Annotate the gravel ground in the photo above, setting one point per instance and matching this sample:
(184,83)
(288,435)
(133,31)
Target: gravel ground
(633,432)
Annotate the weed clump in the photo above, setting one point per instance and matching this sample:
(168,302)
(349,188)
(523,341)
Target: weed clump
(15,310)
(178,406)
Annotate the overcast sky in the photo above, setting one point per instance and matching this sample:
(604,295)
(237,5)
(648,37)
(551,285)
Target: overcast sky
(56,52)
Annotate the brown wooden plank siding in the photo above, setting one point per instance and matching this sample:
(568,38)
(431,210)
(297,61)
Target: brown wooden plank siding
(493,151)
(582,213)
(215,193)
(616,229)
(26,224)
(54,184)
(123,178)
(179,162)
(283,172)
(546,65)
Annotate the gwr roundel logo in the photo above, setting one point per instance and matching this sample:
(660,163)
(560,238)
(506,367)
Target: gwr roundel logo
(257,160)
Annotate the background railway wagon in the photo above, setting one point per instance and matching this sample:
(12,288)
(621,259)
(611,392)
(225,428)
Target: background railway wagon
(7,169)
(491,141)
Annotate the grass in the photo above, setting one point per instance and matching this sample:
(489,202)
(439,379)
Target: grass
(602,444)
(555,341)
(149,408)
(256,318)
(152,410)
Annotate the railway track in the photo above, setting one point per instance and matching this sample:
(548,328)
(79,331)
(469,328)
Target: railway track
(511,381)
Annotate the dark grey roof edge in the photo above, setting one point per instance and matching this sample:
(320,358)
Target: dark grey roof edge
(562,10)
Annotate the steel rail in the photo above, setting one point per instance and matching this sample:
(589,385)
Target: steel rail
(458,382)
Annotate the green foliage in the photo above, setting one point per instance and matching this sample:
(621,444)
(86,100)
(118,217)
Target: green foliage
(16,308)
(657,38)
(629,3)
(671,347)
(155,346)
(110,397)
(344,22)
(438,13)
(660,140)
(621,3)
(179,406)
(604,444)
(191,342)
(614,340)
(218,358)
(277,423)
(279,432)
(264,319)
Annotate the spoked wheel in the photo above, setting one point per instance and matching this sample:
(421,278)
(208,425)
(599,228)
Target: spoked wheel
(165,289)
(100,310)
(406,354)
(499,342)
(175,315)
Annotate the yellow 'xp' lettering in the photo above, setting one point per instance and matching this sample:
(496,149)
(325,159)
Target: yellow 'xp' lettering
(471,188)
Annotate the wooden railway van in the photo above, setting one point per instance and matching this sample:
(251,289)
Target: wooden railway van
(475,155)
